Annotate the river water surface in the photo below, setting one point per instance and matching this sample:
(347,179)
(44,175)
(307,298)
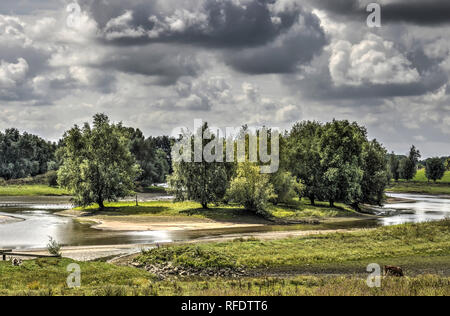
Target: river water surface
(35,222)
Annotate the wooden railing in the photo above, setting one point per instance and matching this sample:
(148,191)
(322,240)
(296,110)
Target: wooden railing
(10,253)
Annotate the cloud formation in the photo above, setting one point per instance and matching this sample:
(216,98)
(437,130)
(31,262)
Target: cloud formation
(160,64)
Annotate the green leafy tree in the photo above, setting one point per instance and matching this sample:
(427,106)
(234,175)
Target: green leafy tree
(286,187)
(251,189)
(435,169)
(409,164)
(394,166)
(375,173)
(341,146)
(301,156)
(97,164)
(203,182)
(447,164)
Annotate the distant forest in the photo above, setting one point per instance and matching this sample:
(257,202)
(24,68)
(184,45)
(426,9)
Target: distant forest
(24,155)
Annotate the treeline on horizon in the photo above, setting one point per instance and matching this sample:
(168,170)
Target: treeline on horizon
(24,155)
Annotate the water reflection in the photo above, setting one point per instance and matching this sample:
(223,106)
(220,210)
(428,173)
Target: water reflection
(38,222)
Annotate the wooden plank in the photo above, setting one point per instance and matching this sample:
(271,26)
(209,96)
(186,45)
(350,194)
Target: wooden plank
(31,255)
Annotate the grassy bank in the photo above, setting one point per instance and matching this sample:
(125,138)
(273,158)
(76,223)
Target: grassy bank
(31,190)
(423,250)
(48,277)
(421,177)
(327,251)
(168,211)
(420,188)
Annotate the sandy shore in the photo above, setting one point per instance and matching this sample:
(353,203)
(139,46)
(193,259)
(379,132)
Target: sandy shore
(88,253)
(8,219)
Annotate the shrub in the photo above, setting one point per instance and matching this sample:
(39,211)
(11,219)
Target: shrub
(54,247)
(251,189)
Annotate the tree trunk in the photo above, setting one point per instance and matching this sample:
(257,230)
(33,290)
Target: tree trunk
(313,200)
(101,205)
(205,206)
(331,203)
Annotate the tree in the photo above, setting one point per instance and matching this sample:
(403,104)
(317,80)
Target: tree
(24,155)
(203,182)
(375,173)
(286,187)
(301,156)
(251,189)
(153,161)
(97,164)
(447,164)
(341,146)
(435,169)
(409,164)
(394,166)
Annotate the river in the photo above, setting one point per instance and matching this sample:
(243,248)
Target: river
(35,221)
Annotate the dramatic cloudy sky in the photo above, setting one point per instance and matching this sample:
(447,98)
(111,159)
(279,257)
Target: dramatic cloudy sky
(159,64)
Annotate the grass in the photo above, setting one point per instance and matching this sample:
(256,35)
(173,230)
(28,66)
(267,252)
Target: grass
(421,177)
(421,185)
(31,190)
(298,210)
(331,251)
(47,277)
(420,188)
(422,249)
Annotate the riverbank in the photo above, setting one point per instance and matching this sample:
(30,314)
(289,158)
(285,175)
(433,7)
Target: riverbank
(427,188)
(170,216)
(31,190)
(325,264)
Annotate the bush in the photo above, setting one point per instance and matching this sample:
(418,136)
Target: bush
(52,178)
(286,187)
(53,247)
(251,189)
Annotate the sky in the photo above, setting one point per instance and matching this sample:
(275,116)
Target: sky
(160,64)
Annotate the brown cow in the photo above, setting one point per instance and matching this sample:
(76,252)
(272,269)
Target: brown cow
(393,271)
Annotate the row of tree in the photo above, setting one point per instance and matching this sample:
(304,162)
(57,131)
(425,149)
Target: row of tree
(332,162)
(406,167)
(25,155)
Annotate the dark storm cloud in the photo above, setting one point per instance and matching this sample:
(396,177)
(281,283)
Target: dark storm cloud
(299,46)
(420,12)
(255,37)
(217,23)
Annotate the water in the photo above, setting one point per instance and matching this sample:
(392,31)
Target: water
(424,208)
(36,221)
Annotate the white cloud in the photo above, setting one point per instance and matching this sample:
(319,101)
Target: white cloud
(372,61)
(12,74)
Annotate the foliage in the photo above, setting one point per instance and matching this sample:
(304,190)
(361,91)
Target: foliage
(251,189)
(203,182)
(54,247)
(24,155)
(435,169)
(286,187)
(394,166)
(97,163)
(375,173)
(301,156)
(341,145)
(153,161)
(408,166)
